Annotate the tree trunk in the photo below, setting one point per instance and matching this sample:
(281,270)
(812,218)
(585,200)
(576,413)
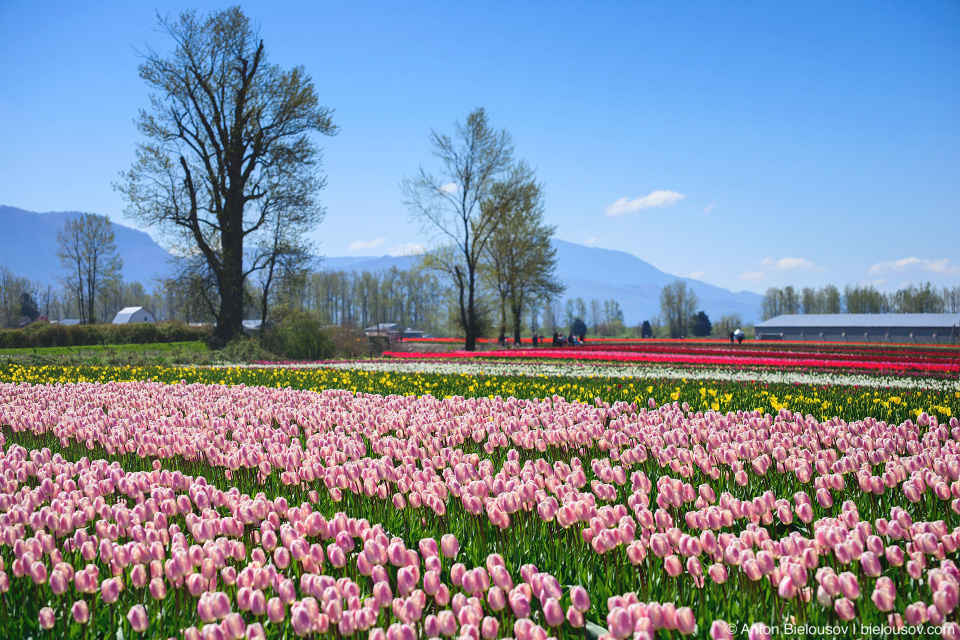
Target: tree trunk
(517,320)
(230,318)
(470,325)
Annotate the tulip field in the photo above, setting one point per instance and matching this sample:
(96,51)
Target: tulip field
(511,495)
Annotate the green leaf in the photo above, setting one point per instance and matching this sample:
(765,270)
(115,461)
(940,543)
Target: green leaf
(594,631)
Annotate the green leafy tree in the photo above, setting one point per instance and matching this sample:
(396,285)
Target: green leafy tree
(578,327)
(521,261)
(701,325)
(230,157)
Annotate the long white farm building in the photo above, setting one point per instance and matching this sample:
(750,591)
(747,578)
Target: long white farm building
(943,328)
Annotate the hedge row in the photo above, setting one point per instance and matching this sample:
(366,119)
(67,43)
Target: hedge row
(43,334)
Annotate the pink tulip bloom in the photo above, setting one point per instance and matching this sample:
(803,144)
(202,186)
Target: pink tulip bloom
(110,590)
(449,545)
(844,609)
(489,628)
(786,589)
(849,586)
(883,599)
(684,621)
(80,611)
(620,623)
(758,631)
(428,548)
(870,563)
(47,619)
(552,612)
(137,617)
(276,611)
(673,566)
(720,630)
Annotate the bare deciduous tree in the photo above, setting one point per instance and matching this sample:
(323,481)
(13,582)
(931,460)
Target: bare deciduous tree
(678,303)
(88,254)
(448,205)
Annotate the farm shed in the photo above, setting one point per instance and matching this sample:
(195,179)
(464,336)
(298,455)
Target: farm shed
(931,328)
(392,331)
(133,315)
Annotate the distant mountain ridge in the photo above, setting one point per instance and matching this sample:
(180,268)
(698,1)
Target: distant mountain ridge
(29,247)
(591,272)
(29,244)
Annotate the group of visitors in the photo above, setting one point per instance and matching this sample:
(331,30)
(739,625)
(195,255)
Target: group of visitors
(737,335)
(559,340)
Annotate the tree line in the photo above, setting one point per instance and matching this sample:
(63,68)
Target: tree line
(924,298)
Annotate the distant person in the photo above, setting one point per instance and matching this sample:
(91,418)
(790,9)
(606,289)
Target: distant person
(731,337)
(739,335)
(556,338)
(534,339)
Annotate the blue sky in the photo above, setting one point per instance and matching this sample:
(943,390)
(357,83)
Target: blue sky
(747,144)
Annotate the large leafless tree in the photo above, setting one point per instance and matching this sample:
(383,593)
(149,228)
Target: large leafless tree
(448,205)
(230,159)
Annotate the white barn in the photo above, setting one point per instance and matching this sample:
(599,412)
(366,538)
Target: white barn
(133,315)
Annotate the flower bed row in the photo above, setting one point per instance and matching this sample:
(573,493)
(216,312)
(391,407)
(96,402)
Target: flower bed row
(826,521)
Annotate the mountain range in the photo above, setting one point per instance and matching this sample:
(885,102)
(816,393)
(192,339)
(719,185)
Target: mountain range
(29,247)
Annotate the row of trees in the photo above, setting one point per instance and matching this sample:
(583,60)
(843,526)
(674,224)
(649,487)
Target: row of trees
(860,299)
(229,174)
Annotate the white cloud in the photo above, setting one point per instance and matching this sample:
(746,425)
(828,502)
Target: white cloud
(751,275)
(695,275)
(943,266)
(590,242)
(654,199)
(360,245)
(450,187)
(407,249)
(709,207)
(787,264)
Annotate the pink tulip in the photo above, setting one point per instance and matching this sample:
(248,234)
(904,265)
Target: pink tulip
(786,589)
(137,617)
(449,545)
(870,563)
(47,619)
(490,628)
(276,611)
(619,622)
(80,611)
(110,590)
(552,612)
(720,630)
(844,609)
(685,622)
(849,586)
(758,631)
(883,599)
(580,599)
(673,566)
